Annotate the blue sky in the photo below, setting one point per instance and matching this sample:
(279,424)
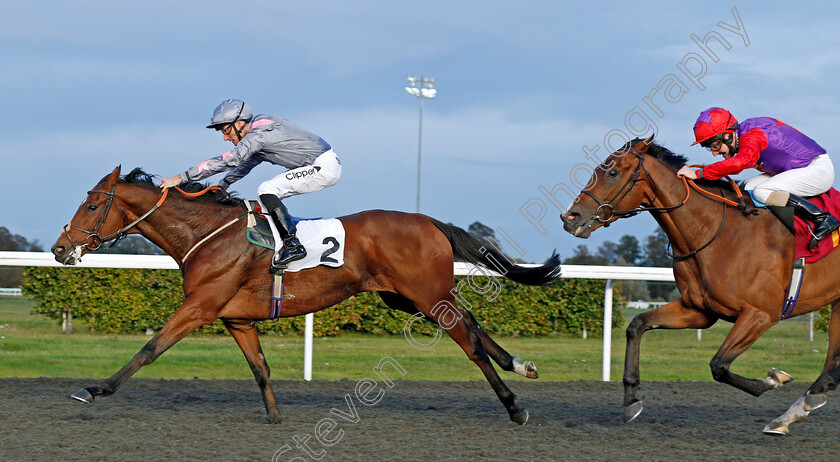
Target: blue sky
(522,88)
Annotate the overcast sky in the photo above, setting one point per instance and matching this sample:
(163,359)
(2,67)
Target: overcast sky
(522,88)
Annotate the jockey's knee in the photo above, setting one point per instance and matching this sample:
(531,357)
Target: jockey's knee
(266,188)
(763,194)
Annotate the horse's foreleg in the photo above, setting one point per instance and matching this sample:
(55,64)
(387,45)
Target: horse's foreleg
(246,337)
(674,315)
(749,326)
(185,320)
(815,397)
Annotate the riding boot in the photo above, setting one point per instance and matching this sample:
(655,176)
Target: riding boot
(292,248)
(824,223)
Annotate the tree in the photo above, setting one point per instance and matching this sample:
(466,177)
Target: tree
(132,245)
(655,255)
(581,256)
(16,242)
(607,252)
(12,276)
(628,249)
(655,249)
(480,230)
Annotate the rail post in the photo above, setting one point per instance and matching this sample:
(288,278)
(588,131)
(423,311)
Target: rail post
(608,302)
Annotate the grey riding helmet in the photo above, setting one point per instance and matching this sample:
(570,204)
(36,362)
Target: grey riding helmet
(229,112)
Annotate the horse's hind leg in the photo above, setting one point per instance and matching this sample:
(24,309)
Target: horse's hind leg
(815,397)
(454,321)
(504,359)
(246,337)
(497,353)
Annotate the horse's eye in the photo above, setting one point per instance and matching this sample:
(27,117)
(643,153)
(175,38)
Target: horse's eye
(613,173)
(91,207)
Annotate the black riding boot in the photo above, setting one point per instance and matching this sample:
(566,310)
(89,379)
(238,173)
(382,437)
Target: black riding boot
(292,248)
(824,222)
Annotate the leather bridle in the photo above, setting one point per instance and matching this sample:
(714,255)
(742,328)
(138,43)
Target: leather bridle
(608,207)
(94,241)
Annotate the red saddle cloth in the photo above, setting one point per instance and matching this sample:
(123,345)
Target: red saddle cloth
(830,202)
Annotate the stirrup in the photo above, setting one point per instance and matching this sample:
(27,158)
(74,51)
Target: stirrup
(830,228)
(276,266)
(292,251)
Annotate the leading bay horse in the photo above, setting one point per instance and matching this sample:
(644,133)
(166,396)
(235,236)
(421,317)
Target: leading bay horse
(406,258)
(728,265)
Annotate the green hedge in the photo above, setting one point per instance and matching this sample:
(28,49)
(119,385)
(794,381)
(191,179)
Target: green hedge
(130,301)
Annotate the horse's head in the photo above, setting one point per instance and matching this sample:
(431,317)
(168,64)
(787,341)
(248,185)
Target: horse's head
(613,191)
(91,222)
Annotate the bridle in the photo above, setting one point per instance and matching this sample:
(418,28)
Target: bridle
(94,241)
(608,207)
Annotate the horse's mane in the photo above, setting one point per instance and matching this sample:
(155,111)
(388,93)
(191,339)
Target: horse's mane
(675,161)
(139,177)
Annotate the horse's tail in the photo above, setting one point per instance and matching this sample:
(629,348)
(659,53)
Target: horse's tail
(473,250)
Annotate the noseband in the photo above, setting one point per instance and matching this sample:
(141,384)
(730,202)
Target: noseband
(94,241)
(608,207)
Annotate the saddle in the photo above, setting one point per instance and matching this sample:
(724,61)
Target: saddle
(258,231)
(828,201)
(323,239)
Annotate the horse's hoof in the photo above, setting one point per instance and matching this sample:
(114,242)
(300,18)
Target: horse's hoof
(778,378)
(274,419)
(776,428)
(521,417)
(632,411)
(83,395)
(814,401)
(531,370)
(526,369)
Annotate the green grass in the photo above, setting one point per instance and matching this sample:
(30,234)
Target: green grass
(33,346)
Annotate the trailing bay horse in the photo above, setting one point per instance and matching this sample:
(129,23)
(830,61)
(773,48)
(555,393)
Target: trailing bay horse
(407,258)
(727,264)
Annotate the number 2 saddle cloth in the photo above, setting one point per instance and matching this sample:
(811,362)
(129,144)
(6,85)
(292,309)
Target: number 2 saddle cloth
(322,238)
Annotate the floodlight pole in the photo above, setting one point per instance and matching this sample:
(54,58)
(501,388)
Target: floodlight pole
(422,88)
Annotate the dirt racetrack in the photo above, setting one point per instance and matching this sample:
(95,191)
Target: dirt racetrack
(152,419)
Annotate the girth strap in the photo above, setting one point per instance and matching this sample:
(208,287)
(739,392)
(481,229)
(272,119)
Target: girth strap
(209,236)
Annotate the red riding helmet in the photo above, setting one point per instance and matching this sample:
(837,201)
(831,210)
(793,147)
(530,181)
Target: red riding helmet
(712,122)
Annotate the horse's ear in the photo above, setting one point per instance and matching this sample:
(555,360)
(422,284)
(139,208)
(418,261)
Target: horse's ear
(114,176)
(642,146)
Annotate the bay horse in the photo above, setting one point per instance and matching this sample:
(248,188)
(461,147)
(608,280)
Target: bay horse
(728,265)
(406,258)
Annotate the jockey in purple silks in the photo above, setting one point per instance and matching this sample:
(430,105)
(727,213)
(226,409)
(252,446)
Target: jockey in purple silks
(793,165)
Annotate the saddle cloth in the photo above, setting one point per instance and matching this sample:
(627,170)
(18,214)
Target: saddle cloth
(828,201)
(322,238)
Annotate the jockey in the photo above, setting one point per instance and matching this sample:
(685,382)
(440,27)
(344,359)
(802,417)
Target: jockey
(312,165)
(793,165)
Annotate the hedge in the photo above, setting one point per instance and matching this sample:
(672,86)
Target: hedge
(133,300)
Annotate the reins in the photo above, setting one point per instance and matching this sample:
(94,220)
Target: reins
(609,209)
(94,241)
(740,205)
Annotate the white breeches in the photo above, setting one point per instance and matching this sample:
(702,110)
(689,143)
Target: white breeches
(301,180)
(813,180)
(324,172)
